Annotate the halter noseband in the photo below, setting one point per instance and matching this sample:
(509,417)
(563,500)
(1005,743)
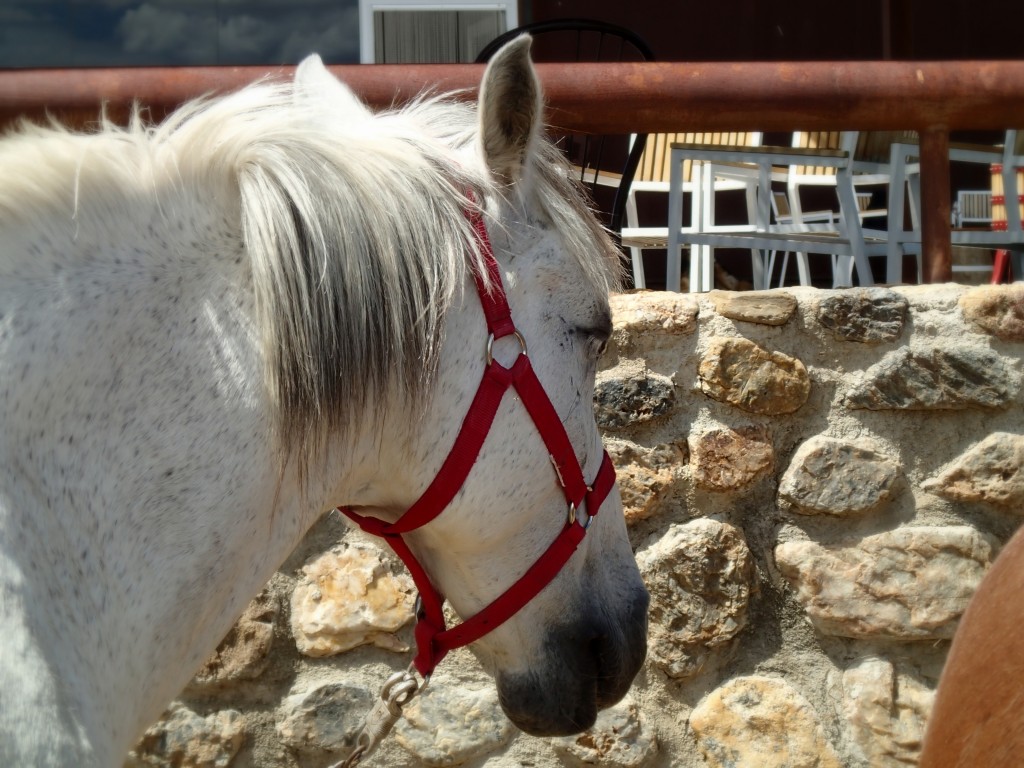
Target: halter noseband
(433,639)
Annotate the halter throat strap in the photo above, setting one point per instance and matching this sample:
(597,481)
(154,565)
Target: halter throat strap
(433,638)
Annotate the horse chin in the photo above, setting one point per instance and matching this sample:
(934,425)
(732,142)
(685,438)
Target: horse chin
(587,666)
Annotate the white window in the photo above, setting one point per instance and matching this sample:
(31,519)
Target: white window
(430,32)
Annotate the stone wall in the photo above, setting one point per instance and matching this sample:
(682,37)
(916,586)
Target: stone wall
(815,483)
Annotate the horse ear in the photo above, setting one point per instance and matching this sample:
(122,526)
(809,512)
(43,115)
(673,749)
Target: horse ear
(510,109)
(314,83)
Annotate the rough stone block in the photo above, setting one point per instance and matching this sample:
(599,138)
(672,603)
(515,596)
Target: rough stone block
(700,576)
(244,653)
(726,459)
(183,739)
(871,315)
(762,307)
(738,372)
(619,739)
(997,309)
(325,719)
(836,477)
(348,596)
(452,724)
(645,475)
(884,712)
(992,471)
(645,313)
(936,378)
(909,584)
(761,721)
(629,394)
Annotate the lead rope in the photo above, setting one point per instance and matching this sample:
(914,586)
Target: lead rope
(398,690)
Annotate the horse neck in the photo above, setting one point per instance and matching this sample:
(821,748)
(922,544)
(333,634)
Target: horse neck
(169,510)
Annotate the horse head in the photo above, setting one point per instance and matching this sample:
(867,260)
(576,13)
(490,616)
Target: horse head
(575,646)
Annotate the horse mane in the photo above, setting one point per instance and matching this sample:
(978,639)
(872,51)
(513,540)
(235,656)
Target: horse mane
(356,228)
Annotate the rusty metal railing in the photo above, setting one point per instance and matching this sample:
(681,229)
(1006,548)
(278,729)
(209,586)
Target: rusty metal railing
(932,98)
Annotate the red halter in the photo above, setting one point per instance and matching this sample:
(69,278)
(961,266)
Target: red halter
(433,638)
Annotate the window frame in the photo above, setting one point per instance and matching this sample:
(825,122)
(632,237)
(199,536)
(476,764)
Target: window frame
(367,9)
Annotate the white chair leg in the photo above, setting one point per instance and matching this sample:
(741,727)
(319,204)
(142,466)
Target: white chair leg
(803,269)
(783,268)
(673,266)
(705,259)
(796,212)
(707,269)
(850,223)
(770,269)
(760,273)
(842,272)
(635,252)
(894,216)
(637,257)
(914,196)
(759,278)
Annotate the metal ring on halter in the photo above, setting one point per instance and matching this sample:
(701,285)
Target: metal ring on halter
(572,517)
(490,345)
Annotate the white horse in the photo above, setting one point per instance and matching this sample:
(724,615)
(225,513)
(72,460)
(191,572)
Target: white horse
(213,330)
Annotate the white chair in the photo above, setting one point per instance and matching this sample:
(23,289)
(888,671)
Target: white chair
(854,164)
(783,214)
(652,177)
(1006,160)
(973,207)
(870,168)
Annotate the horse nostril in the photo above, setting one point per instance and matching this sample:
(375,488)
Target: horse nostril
(618,652)
(608,671)
(599,658)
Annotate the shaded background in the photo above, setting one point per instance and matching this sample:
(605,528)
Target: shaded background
(93,33)
(84,33)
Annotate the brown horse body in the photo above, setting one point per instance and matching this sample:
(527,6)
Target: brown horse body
(978,717)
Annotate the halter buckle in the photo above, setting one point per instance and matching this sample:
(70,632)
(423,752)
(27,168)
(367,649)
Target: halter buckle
(558,471)
(490,346)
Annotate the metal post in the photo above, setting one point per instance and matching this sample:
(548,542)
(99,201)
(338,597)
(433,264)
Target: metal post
(936,246)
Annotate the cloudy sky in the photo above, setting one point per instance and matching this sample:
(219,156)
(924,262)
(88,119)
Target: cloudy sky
(82,33)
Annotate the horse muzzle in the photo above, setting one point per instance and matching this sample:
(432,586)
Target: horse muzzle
(588,665)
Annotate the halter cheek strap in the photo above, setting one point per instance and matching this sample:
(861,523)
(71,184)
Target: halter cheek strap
(433,639)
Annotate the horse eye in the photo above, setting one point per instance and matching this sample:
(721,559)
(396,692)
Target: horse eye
(596,336)
(596,340)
